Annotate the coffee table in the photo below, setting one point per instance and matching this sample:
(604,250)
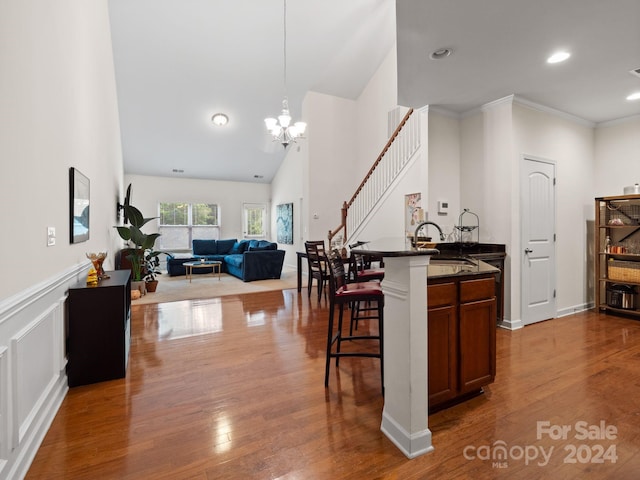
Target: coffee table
(215,265)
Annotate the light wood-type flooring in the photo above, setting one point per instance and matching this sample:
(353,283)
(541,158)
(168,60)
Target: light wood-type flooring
(232,388)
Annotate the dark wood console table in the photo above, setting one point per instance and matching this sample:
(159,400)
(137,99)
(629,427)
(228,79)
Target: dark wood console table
(99,331)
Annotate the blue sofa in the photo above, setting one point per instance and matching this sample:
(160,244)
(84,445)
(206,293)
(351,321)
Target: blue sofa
(246,259)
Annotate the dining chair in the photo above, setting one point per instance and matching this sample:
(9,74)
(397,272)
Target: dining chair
(317,265)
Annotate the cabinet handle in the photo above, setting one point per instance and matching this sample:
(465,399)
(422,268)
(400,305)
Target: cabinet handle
(528,250)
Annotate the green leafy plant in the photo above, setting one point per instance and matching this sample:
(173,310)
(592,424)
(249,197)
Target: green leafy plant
(138,242)
(151,265)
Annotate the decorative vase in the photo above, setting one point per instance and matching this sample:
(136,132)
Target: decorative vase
(98,259)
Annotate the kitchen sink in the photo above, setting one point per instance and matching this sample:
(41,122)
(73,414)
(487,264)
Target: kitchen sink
(453,262)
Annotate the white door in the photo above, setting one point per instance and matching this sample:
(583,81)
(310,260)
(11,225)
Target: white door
(538,241)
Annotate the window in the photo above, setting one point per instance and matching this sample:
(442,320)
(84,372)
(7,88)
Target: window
(255,220)
(180,223)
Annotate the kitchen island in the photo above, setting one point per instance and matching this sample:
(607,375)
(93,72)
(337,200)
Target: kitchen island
(461,299)
(405,413)
(406,369)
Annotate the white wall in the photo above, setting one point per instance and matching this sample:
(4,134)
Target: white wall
(332,160)
(147,192)
(59,110)
(288,186)
(444,170)
(617,156)
(377,99)
(571,145)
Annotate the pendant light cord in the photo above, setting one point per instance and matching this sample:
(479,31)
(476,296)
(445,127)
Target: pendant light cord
(285,48)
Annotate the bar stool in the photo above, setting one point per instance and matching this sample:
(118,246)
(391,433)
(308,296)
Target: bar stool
(341,294)
(360,268)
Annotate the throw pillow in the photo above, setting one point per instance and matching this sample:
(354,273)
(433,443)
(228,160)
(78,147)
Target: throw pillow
(265,245)
(239,247)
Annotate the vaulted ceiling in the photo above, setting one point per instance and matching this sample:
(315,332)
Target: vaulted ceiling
(178,62)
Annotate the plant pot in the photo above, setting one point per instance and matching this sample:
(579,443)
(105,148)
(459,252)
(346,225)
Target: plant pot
(139,286)
(151,286)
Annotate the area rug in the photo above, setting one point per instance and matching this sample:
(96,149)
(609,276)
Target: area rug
(173,289)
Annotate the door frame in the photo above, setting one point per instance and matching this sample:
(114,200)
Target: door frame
(523,311)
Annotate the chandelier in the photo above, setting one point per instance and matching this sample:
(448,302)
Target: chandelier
(281,128)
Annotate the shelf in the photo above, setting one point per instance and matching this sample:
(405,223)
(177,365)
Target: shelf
(619,226)
(622,255)
(618,310)
(618,198)
(624,282)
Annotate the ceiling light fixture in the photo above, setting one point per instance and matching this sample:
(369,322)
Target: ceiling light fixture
(634,96)
(220,119)
(281,128)
(558,57)
(440,53)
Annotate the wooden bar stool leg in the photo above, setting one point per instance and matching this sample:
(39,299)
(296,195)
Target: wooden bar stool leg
(329,344)
(380,333)
(339,335)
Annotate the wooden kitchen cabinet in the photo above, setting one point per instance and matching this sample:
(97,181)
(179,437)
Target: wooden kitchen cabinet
(462,338)
(442,342)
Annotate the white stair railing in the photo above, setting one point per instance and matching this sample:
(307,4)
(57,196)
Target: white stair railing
(402,145)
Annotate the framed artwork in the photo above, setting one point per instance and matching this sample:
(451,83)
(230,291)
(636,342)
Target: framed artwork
(413,213)
(78,206)
(284,223)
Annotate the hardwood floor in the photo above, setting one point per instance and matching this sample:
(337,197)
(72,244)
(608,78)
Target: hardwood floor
(232,388)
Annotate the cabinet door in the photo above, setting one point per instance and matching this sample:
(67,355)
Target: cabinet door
(443,363)
(477,332)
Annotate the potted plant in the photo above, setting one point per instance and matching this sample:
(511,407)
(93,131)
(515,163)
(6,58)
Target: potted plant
(138,242)
(151,269)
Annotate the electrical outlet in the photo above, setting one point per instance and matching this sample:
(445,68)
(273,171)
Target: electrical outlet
(51,236)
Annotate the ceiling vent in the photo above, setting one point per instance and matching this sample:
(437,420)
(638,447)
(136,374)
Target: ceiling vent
(635,71)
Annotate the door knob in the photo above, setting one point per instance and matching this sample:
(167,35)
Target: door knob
(528,250)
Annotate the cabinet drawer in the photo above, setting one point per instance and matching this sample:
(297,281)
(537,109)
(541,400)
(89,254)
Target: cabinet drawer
(441,294)
(471,290)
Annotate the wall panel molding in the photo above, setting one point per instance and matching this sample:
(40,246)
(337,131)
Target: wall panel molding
(33,380)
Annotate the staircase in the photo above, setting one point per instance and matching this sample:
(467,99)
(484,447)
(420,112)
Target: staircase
(395,156)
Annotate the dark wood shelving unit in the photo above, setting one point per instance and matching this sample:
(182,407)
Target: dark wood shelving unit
(99,329)
(617,217)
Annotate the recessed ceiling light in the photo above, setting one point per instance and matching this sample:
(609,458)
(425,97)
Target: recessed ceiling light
(440,53)
(558,57)
(220,119)
(634,96)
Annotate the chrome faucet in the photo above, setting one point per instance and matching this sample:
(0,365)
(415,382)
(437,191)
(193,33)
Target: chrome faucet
(415,235)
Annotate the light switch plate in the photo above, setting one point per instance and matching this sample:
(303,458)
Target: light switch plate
(51,236)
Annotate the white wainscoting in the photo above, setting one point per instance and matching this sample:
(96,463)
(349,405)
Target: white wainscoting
(33,381)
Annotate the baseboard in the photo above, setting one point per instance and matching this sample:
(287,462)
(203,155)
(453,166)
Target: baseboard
(575,309)
(412,445)
(510,324)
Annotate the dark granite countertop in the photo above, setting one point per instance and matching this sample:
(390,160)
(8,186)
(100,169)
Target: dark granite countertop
(455,267)
(474,250)
(392,247)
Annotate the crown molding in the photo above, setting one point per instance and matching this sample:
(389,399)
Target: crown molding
(552,111)
(618,121)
